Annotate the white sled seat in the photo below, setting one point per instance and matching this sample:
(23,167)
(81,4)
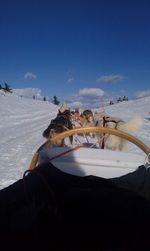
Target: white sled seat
(82,161)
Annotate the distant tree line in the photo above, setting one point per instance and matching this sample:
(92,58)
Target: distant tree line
(122,99)
(119,100)
(6,88)
(54,100)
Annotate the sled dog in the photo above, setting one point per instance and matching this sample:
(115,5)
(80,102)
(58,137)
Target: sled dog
(113,142)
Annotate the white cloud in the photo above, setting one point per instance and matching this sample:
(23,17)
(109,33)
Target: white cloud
(86,98)
(70,80)
(76,104)
(91,92)
(111,78)
(30,75)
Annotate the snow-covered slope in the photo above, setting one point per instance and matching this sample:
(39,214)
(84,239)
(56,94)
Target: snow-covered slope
(22,123)
(23,120)
(128,109)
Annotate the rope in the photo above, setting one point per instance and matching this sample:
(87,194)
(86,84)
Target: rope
(63,153)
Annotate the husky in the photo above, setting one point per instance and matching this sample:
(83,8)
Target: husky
(61,123)
(119,144)
(112,142)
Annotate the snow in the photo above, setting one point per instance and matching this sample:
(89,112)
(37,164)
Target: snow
(23,120)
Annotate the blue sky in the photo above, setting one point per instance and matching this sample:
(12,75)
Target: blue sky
(77,50)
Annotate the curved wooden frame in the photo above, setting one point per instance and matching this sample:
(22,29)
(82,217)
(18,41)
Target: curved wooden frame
(71,132)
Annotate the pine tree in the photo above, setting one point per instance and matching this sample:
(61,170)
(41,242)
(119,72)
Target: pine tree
(7,88)
(44,98)
(55,101)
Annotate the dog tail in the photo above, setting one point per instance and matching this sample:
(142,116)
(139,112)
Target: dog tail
(132,125)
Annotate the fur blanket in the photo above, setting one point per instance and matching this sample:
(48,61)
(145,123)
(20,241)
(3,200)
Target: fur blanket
(52,210)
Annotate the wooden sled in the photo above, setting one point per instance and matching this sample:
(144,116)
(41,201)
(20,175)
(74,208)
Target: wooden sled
(82,160)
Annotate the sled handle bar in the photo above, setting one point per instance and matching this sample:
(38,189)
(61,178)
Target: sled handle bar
(71,132)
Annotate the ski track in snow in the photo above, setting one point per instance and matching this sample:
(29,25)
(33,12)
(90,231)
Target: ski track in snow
(23,121)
